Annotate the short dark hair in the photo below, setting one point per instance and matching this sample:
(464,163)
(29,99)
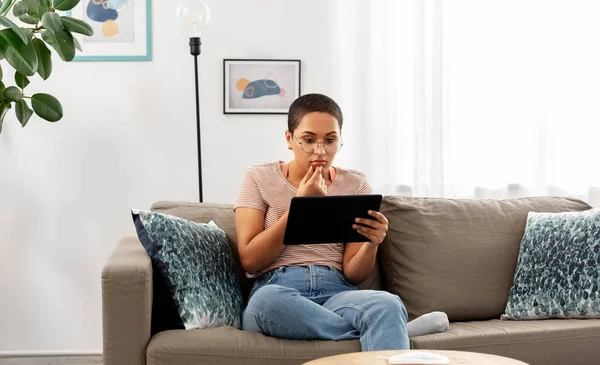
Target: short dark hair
(313,103)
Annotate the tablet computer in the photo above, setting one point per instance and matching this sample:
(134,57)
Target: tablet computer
(328,219)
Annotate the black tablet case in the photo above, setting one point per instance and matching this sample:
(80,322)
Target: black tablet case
(328,219)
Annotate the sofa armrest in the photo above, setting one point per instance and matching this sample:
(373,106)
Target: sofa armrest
(126,304)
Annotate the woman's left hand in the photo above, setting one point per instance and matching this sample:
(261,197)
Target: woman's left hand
(376,230)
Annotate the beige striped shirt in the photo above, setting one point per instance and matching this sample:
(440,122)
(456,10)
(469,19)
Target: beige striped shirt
(265,188)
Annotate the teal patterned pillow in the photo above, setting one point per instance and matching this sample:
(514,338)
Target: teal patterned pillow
(558,271)
(197,265)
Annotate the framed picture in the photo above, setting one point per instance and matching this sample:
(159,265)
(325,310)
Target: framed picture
(122,30)
(252,86)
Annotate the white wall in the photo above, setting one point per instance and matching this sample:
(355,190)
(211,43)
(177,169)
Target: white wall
(128,139)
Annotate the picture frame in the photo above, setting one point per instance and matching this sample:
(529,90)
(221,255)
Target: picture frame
(260,86)
(122,30)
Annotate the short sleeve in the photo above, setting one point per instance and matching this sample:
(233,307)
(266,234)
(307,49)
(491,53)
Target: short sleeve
(250,196)
(365,187)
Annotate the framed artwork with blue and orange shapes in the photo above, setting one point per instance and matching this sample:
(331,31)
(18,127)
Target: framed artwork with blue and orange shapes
(258,86)
(122,30)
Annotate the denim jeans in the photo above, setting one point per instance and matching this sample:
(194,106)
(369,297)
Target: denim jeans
(319,303)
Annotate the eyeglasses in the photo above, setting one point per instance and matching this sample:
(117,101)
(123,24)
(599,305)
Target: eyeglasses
(310,144)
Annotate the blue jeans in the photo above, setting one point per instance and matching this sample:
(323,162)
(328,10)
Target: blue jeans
(319,303)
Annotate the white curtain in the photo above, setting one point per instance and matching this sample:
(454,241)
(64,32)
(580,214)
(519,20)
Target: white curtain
(471,98)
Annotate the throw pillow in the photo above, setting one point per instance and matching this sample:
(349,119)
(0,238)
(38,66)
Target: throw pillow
(197,265)
(558,270)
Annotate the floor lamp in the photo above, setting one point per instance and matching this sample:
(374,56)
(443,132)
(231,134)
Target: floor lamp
(194,16)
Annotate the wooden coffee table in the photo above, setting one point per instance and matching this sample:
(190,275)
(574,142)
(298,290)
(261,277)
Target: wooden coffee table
(372,358)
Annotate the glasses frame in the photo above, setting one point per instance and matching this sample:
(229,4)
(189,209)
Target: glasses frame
(317,146)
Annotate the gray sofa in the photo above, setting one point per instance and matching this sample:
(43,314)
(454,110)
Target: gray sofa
(453,255)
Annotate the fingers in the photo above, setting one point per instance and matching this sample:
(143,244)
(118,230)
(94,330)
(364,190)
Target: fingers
(322,179)
(380,217)
(374,230)
(315,176)
(308,175)
(369,222)
(369,231)
(371,237)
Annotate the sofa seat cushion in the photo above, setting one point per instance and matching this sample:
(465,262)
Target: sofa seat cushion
(227,345)
(553,341)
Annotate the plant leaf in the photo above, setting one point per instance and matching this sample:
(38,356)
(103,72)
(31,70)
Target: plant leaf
(44,57)
(21,56)
(47,107)
(51,21)
(77,26)
(21,80)
(29,19)
(62,42)
(64,4)
(43,5)
(20,9)
(6,5)
(77,44)
(12,25)
(23,112)
(1,74)
(32,8)
(13,93)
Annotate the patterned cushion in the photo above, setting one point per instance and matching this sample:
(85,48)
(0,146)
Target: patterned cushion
(558,271)
(196,263)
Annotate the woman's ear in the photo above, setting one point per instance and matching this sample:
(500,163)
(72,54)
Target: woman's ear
(288,139)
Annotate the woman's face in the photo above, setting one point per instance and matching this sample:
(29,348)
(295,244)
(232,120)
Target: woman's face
(306,139)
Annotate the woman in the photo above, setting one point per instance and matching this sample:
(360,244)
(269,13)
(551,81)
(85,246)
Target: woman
(308,292)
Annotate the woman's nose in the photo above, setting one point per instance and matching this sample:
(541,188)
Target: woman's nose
(320,149)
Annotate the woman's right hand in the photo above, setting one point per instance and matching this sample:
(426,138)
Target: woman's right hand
(313,183)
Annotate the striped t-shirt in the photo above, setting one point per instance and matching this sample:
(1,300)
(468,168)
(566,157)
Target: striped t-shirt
(266,188)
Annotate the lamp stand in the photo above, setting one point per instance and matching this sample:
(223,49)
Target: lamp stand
(195,51)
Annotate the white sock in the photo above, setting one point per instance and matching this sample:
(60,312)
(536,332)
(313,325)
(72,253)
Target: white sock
(428,323)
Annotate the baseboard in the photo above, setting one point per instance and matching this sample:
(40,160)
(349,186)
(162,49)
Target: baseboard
(51,358)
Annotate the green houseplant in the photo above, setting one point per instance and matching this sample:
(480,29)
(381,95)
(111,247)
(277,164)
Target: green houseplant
(25,48)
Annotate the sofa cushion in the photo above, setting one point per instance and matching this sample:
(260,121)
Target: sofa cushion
(545,342)
(457,255)
(196,263)
(230,346)
(558,272)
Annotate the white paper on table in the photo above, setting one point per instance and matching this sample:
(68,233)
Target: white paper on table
(417,357)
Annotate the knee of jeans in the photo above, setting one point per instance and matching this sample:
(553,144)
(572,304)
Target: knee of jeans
(392,303)
(269,297)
